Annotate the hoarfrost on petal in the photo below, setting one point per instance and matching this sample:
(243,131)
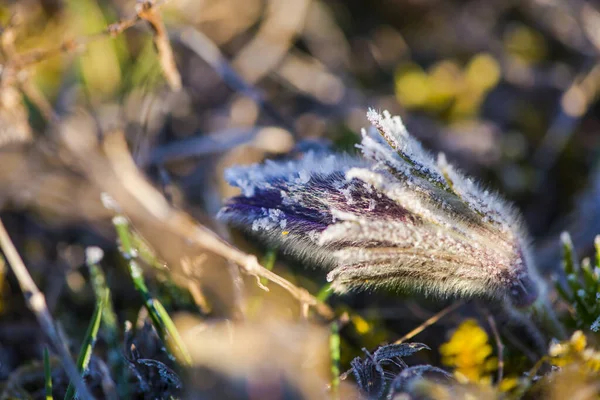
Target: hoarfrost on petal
(372,204)
(393,217)
(303,176)
(270,219)
(596,325)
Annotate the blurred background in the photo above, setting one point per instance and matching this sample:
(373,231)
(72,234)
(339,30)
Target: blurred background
(507,89)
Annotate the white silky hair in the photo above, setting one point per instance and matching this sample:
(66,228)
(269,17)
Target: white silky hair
(454,238)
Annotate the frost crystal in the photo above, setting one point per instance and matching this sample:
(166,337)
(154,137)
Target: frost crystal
(271,218)
(395,217)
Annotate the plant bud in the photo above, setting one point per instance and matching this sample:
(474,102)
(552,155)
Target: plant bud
(395,217)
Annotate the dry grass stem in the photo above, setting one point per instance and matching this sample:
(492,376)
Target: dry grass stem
(37,304)
(147,11)
(499,345)
(115,172)
(430,321)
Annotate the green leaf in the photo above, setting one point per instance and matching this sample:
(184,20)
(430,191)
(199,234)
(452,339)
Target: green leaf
(158,315)
(87,347)
(47,375)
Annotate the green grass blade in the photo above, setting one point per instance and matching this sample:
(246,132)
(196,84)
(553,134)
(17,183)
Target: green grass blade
(110,328)
(173,333)
(146,253)
(325,292)
(568,253)
(158,315)
(269,263)
(98,279)
(334,350)
(591,284)
(85,352)
(47,375)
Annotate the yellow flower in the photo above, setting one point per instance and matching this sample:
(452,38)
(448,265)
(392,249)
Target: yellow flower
(508,384)
(361,325)
(578,341)
(468,351)
(575,351)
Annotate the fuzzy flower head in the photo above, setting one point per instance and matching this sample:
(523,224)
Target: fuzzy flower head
(394,217)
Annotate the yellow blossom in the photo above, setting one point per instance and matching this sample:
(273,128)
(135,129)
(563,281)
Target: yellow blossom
(507,384)
(468,351)
(361,325)
(575,351)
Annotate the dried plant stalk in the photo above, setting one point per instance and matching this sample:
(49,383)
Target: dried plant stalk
(37,304)
(110,167)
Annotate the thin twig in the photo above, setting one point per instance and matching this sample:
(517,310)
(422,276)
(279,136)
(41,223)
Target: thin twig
(499,345)
(38,98)
(530,377)
(148,12)
(112,168)
(7,39)
(14,68)
(37,304)
(206,239)
(73,45)
(430,321)
(484,311)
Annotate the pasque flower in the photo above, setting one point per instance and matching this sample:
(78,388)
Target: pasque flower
(394,217)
